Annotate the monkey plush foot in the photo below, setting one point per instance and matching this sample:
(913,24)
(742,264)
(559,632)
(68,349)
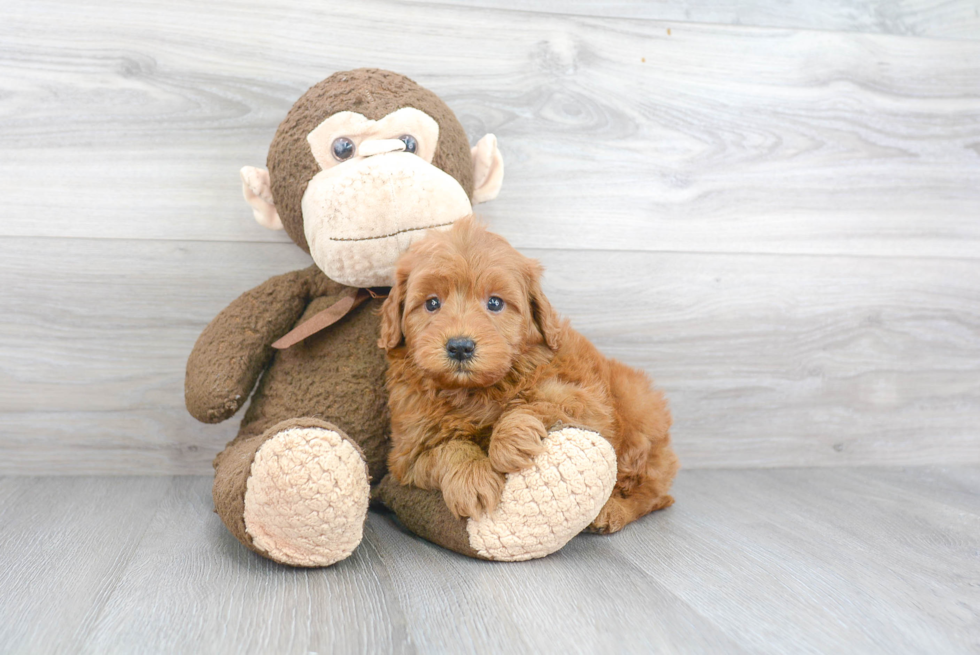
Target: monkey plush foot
(544,506)
(306,497)
(541,509)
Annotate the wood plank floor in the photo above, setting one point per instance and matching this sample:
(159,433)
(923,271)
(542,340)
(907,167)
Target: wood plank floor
(858,560)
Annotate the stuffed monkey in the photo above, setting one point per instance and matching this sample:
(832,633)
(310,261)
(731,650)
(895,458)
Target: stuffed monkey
(364,163)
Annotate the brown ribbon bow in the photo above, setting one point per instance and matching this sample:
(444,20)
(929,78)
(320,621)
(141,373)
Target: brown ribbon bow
(327,317)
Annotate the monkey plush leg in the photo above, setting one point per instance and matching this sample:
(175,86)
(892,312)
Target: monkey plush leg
(541,509)
(297,494)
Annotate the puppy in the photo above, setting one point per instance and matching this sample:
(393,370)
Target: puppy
(481,366)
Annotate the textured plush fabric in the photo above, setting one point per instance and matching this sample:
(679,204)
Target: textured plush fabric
(375,137)
(425,513)
(233,466)
(290,485)
(231,470)
(334,380)
(488,174)
(307,495)
(374,94)
(336,376)
(358,223)
(541,509)
(235,347)
(544,506)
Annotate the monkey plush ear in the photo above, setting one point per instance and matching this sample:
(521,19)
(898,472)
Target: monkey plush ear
(258,193)
(488,169)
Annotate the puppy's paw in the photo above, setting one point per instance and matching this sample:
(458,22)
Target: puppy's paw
(473,489)
(516,441)
(613,517)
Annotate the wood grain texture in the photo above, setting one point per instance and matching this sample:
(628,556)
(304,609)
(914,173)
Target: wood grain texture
(828,546)
(96,335)
(395,594)
(951,19)
(779,224)
(769,206)
(65,545)
(767,360)
(219,597)
(131,120)
(497,608)
(795,560)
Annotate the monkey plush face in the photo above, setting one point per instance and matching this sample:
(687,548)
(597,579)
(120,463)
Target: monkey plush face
(366,162)
(376,193)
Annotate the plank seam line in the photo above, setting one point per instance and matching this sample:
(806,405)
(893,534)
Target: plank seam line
(118,573)
(725,253)
(666,22)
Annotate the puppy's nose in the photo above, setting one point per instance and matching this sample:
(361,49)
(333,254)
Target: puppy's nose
(460,348)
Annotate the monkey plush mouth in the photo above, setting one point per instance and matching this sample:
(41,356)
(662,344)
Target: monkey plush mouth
(362,215)
(394,234)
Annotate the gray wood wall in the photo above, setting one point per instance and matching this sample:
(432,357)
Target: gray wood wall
(774,208)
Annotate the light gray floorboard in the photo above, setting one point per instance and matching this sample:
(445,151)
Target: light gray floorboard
(561,603)
(852,560)
(954,486)
(767,360)
(957,19)
(192,588)
(131,121)
(65,545)
(860,560)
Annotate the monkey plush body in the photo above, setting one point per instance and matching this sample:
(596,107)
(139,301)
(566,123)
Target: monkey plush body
(364,163)
(325,381)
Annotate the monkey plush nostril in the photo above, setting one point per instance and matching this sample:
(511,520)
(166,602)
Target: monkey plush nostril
(460,348)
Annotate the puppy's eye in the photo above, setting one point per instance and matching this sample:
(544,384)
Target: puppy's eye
(343,148)
(495,304)
(432,304)
(411,145)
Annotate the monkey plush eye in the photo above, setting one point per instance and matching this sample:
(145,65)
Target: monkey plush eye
(432,304)
(495,304)
(343,148)
(411,145)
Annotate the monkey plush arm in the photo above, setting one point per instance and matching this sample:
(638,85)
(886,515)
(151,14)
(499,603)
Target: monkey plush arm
(236,346)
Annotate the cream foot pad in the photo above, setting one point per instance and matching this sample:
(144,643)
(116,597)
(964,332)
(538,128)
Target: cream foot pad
(546,505)
(307,497)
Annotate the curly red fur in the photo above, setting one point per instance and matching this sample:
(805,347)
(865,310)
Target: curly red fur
(461,426)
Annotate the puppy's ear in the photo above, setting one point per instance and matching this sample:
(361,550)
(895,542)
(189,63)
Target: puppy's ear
(391,312)
(545,318)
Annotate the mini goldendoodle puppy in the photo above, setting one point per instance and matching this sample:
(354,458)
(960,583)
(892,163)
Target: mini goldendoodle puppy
(481,366)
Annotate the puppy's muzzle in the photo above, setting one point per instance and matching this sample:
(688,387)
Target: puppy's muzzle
(460,348)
